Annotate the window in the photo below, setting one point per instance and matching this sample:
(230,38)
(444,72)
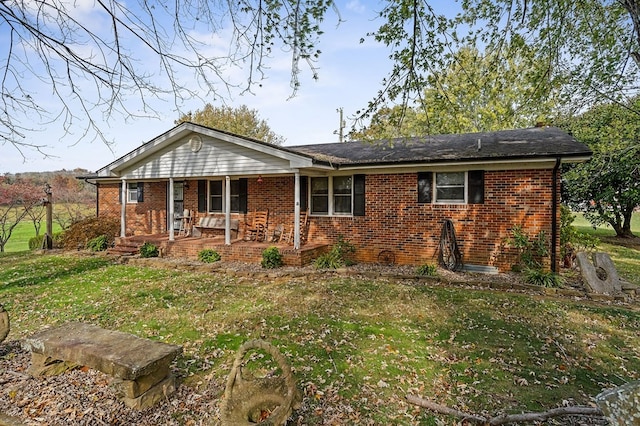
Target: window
(319,195)
(217,195)
(134,192)
(335,195)
(342,194)
(451,187)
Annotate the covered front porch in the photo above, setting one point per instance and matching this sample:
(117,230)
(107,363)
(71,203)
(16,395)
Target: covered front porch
(188,247)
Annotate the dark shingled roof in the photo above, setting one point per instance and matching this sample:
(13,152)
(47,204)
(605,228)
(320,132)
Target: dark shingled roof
(538,142)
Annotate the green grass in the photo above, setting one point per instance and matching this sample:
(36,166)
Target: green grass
(357,346)
(623,252)
(581,224)
(21,235)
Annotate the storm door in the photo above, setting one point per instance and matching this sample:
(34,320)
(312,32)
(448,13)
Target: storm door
(178,204)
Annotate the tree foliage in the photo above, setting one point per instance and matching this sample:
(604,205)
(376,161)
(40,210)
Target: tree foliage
(241,121)
(607,188)
(489,92)
(588,45)
(97,59)
(474,93)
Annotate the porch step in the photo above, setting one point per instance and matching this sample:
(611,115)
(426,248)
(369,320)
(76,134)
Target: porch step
(123,251)
(125,247)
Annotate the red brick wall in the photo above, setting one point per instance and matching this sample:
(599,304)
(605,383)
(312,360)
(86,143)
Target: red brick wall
(394,220)
(143,218)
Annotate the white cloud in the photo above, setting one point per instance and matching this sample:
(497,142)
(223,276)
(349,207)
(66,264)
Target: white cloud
(356,6)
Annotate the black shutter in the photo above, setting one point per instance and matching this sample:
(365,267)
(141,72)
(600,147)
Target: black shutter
(476,187)
(242,194)
(120,193)
(425,184)
(358,195)
(304,193)
(202,196)
(140,194)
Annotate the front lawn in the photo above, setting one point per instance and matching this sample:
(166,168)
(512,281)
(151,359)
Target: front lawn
(358,345)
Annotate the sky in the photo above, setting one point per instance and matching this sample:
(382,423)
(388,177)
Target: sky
(350,75)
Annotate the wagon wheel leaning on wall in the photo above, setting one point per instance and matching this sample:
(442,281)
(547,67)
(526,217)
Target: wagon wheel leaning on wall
(4,323)
(386,257)
(449,253)
(263,401)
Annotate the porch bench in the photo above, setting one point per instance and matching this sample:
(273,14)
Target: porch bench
(212,222)
(139,367)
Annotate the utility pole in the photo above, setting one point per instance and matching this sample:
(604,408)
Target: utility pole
(340,132)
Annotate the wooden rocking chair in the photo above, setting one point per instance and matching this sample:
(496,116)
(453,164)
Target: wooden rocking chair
(289,236)
(257,231)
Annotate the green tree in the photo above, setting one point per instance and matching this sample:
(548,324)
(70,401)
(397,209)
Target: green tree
(475,92)
(593,45)
(241,121)
(488,92)
(389,123)
(607,188)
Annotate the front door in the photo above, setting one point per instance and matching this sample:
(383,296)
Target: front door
(178,204)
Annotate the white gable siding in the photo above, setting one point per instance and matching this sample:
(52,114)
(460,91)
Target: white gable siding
(215,158)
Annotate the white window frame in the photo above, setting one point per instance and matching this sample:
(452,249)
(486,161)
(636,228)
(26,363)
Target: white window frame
(224,199)
(435,187)
(330,196)
(132,192)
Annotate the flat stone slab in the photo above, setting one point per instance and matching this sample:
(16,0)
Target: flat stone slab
(117,354)
(621,405)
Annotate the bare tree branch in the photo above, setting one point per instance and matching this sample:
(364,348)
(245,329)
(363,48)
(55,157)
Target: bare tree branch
(504,418)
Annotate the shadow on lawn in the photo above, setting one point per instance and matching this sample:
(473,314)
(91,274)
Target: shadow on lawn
(46,269)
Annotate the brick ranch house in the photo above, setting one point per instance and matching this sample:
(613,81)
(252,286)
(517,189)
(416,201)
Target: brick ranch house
(387,197)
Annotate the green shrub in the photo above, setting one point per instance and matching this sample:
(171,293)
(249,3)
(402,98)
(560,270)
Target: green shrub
(339,255)
(271,258)
(208,256)
(542,278)
(530,251)
(35,243)
(427,270)
(98,243)
(80,233)
(149,250)
(572,241)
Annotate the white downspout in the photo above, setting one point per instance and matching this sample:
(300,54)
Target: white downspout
(227,211)
(172,212)
(296,214)
(123,210)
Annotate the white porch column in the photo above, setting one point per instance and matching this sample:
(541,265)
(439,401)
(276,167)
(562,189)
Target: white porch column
(172,213)
(123,209)
(296,226)
(227,210)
